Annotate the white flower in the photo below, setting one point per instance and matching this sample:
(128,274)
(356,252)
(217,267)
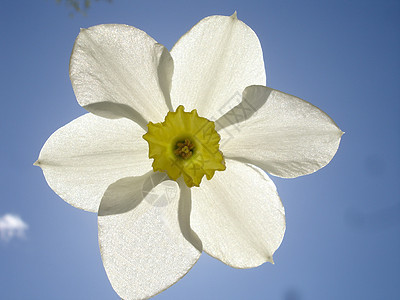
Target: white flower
(100,162)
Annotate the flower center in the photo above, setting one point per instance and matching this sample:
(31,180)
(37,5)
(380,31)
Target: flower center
(184,149)
(185,145)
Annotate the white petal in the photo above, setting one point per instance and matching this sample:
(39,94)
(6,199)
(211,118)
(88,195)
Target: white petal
(142,235)
(286,136)
(238,216)
(121,65)
(214,62)
(81,159)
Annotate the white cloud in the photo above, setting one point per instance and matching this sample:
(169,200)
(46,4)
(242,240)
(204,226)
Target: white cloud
(12,226)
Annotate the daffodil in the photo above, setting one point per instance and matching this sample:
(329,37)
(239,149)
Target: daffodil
(196,124)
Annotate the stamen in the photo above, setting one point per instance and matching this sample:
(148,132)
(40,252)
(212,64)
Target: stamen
(184,149)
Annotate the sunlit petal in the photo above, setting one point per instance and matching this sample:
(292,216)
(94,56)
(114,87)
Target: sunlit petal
(81,159)
(144,234)
(121,65)
(214,62)
(238,216)
(286,136)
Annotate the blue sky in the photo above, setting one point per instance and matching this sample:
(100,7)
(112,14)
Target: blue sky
(343,222)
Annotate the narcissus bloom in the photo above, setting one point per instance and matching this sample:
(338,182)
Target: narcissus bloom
(196,127)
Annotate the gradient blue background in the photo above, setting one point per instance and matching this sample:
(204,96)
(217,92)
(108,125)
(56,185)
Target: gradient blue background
(343,222)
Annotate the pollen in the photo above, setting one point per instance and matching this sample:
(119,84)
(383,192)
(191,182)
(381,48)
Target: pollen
(185,145)
(184,149)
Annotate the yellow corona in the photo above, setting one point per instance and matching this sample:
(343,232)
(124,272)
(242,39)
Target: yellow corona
(185,144)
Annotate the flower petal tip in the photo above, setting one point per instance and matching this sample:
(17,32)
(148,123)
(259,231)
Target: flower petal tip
(271,260)
(37,163)
(234,15)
